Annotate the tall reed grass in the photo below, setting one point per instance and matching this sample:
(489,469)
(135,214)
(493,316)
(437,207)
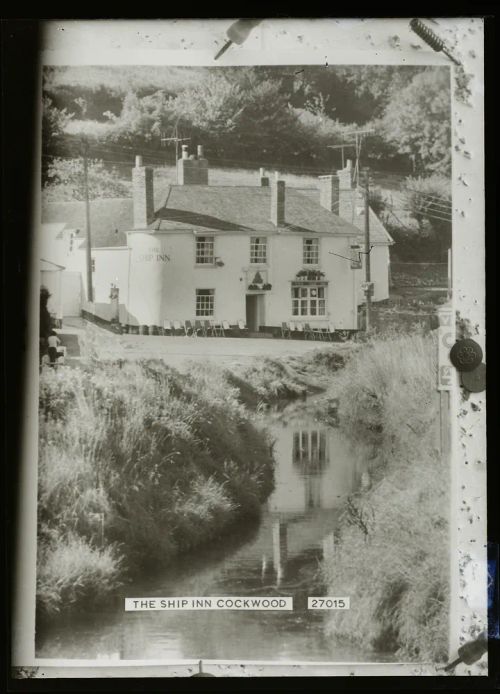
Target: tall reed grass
(392,551)
(136,465)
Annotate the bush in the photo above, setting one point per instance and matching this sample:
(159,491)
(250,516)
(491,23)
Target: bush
(71,570)
(391,553)
(143,459)
(271,380)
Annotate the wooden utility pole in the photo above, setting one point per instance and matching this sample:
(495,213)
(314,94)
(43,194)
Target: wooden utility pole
(368,287)
(88,234)
(359,136)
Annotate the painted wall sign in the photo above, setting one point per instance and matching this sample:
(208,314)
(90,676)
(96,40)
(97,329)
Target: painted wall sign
(154,255)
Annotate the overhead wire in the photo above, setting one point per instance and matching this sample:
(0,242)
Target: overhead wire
(155,151)
(434,206)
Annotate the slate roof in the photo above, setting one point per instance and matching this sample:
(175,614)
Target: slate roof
(110,218)
(48,265)
(243,208)
(200,208)
(378,233)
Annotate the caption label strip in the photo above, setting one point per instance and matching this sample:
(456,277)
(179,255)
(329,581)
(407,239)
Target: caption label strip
(231,603)
(215,603)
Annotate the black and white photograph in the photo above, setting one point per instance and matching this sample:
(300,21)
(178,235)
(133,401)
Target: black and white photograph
(246,287)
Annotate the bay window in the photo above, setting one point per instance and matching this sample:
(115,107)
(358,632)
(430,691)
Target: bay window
(309,300)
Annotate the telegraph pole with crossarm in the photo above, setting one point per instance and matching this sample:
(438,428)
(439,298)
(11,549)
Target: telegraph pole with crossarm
(176,139)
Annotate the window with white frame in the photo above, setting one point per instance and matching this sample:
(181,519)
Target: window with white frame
(205,301)
(310,251)
(258,249)
(309,301)
(205,250)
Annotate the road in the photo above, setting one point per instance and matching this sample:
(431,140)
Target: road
(180,351)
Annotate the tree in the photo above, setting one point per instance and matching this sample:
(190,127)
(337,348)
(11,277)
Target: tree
(352,93)
(428,201)
(213,108)
(141,118)
(54,123)
(65,181)
(416,121)
(268,126)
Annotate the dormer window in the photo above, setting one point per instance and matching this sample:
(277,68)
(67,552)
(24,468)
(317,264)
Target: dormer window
(310,251)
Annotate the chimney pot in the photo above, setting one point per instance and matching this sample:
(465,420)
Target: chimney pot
(138,160)
(192,170)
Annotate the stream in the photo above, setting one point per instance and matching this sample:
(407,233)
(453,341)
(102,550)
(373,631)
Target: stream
(316,468)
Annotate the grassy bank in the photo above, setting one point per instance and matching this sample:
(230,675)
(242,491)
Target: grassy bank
(268,381)
(136,465)
(392,552)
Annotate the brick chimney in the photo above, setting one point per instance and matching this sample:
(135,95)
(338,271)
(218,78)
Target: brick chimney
(278,202)
(192,170)
(329,192)
(143,194)
(347,194)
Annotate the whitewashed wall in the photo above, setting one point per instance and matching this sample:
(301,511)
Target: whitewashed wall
(179,277)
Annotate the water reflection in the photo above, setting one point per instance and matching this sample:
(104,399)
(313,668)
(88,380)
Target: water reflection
(315,470)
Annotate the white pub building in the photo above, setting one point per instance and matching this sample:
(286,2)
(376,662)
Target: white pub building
(264,254)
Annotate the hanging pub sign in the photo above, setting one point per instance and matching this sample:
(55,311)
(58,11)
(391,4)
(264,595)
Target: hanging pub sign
(355,257)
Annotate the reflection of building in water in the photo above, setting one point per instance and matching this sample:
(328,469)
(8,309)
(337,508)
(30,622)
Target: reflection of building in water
(310,458)
(312,491)
(280,550)
(315,469)
(310,451)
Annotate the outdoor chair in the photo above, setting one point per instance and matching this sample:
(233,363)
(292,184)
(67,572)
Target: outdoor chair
(318,333)
(308,332)
(225,327)
(189,329)
(242,328)
(167,327)
(216,329)
(285,330)
(208,328)
(300,329)
(329,331)
(178,328)
(200,328)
